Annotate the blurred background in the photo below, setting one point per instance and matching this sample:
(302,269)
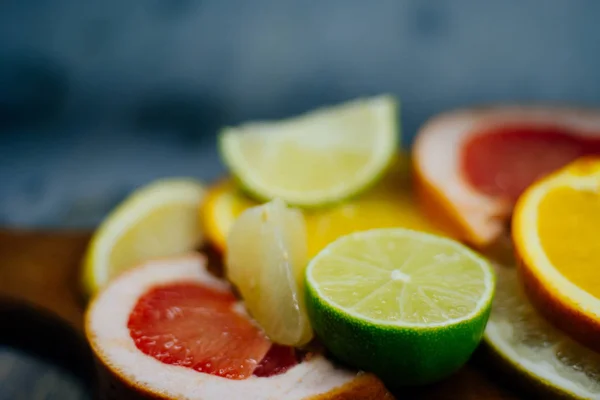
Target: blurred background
(98,97)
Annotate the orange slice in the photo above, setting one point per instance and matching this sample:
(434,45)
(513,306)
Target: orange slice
(168,329)
(390,203)
(472,165)
(556,230)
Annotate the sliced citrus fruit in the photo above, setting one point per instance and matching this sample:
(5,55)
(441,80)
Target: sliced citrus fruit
(556,231)
(266,259)
(471,165)
(390,203)
(409,306)
(168,329)
(318,158)
(527,342)
(158,220)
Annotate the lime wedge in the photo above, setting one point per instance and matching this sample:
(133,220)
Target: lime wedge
(157,220)
(408,306)
(266,258)
(540,352)
(317,158)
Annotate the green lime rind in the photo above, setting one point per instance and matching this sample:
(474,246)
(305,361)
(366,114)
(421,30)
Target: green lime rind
(399,355)
(260,191)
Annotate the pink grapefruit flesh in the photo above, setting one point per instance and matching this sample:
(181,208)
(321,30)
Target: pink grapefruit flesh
(196,326)
(504,161)
(471,165)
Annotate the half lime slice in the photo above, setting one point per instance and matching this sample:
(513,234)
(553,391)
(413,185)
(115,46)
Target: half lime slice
(407,305)
(318,158)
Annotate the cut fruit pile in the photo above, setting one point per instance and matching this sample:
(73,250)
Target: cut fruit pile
(328,246)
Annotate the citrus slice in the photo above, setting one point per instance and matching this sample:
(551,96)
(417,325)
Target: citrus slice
(471,165)
(158,220)
(266,259)
(409,306)
(168,329)
(390,203)
(527,342)
(556,231)
(320,157)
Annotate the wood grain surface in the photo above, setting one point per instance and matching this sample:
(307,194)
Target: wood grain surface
(42,269)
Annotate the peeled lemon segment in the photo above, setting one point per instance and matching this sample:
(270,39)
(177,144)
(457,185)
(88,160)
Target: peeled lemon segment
(158,220)
(266,258)
(534,347)
(317,158)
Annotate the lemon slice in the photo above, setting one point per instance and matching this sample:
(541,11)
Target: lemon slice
(158,220)
(409,306)
(266,258)
(540,352)
(317,158)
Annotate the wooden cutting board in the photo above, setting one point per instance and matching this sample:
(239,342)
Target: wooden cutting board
(42,269)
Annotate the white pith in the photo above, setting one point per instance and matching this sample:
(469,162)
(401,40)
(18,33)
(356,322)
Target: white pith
(531,250)
(385,146)
(142,202)
(106,328)
(425,238)
(438,147)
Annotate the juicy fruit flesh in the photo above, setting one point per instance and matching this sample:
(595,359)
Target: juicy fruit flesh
(266,259)
(505,161)
(550,352)
(148,239)
(390,203)
(398,279)
(195,326)
(568,228)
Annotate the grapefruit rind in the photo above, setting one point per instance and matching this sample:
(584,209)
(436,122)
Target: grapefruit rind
(445,194)
(572,309)
(124,367)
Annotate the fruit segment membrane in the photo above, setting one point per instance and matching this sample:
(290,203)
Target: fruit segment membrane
(504,161)
(199,327)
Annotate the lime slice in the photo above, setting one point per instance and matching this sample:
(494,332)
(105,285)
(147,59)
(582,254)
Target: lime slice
(540,352)
(266,258)
(408,306)
(158,220)
(317,158)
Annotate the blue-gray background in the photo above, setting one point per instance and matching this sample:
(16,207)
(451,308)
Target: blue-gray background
(98,97)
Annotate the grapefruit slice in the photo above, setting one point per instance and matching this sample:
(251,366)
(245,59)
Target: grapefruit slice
(471,165)
(168,329)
